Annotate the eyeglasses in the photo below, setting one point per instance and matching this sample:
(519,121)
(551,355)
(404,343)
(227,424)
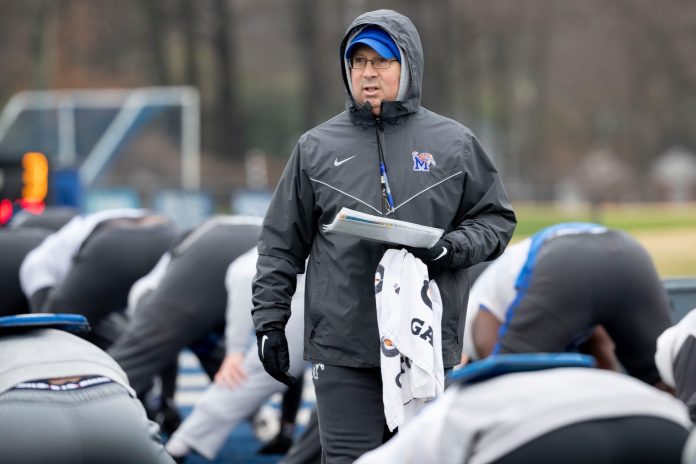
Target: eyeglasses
(377,63)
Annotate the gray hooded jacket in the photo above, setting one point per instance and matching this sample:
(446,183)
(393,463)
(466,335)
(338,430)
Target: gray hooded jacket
(335,165)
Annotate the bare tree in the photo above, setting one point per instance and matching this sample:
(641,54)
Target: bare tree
(543,83)
(187,19)
(155,40)
(230,130)
(313,88)
(40,12)
(438,38)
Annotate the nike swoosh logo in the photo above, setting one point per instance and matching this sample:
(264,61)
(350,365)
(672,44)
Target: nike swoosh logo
(338,163)
(444,252)
(263,343)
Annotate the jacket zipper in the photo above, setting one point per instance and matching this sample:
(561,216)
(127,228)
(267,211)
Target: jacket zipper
(387,199)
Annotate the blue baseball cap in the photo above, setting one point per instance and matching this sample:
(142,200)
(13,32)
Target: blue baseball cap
(377,39)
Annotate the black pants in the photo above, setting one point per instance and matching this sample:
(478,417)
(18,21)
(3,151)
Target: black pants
(188,304)
(625,440)
(108,263)
(580,281)
(350,410)
(15,245)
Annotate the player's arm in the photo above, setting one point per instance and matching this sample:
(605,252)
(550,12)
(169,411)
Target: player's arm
(231,372)
(601,346)
(485,331)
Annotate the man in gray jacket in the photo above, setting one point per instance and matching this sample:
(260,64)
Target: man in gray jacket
(384,155)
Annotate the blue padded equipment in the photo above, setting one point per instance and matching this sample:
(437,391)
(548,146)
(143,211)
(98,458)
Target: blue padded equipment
(500,364)
(22,322)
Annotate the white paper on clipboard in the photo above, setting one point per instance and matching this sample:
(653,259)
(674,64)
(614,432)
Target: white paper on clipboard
(382,229)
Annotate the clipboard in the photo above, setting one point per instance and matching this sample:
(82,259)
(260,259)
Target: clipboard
(381,229)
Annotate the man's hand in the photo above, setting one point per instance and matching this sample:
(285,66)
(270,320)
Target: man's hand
(231,373)
(437,258)
(273,353)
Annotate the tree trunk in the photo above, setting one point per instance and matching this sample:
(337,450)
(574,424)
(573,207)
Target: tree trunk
(40,14)
(187,14)
(155,41)
(314,90)
(229,126)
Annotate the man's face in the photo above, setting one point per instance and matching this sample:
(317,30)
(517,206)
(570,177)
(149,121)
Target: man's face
(374,85)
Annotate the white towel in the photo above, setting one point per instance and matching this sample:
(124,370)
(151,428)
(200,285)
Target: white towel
(409,313)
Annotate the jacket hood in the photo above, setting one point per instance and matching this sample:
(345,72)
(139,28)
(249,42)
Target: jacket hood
(406,37)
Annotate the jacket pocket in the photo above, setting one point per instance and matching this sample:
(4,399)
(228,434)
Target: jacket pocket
(316,285)
(454,289)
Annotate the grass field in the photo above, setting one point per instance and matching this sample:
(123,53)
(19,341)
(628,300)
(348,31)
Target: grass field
(668,231)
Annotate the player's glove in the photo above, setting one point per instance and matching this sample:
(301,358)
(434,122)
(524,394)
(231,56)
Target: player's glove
(437,258)
(274,355)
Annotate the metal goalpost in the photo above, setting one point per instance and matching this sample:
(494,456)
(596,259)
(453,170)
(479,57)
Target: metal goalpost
(130,105)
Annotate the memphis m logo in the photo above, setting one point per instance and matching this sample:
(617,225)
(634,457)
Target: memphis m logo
(422,161)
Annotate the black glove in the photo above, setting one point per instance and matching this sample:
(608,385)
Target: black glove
(274,355)
(437,258)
